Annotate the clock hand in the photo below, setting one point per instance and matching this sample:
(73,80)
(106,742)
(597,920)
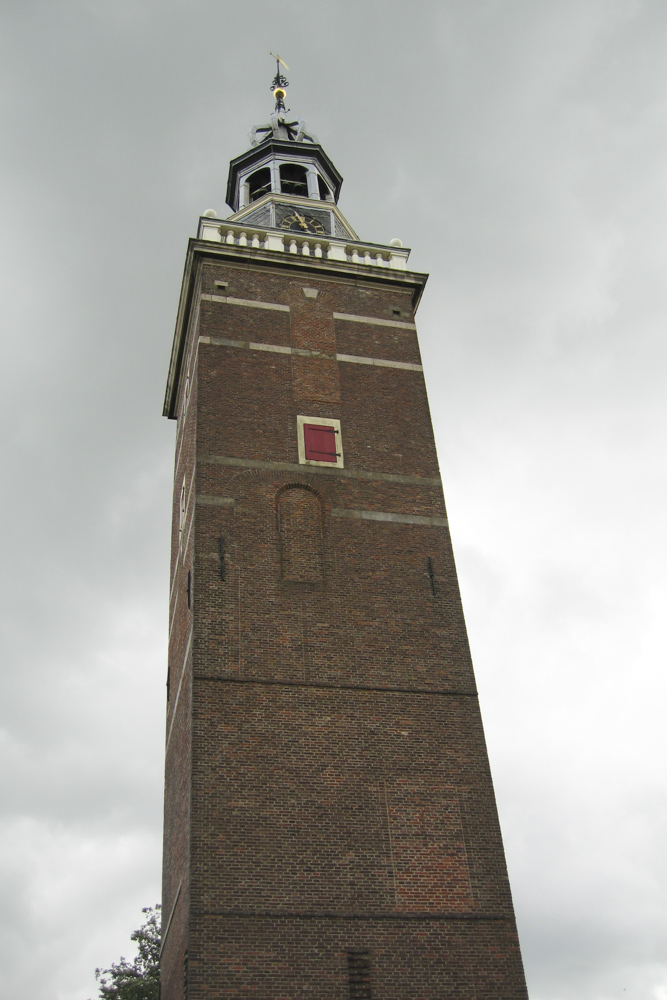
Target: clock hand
(302,221)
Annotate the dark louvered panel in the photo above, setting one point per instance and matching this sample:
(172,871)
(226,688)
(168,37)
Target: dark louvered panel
(359,974)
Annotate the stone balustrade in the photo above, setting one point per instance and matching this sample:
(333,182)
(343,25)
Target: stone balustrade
(368,254)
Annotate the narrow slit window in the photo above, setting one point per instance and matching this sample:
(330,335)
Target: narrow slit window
(221,547)
(186,391)
(181,515)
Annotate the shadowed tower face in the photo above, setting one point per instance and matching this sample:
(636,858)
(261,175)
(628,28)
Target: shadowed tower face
(330,824)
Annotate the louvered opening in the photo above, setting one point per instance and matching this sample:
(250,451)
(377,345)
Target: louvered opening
(359,974)
(259,183)
(325,193)
(293,179)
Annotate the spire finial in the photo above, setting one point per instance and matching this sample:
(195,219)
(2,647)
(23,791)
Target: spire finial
(279,127)
(279,84)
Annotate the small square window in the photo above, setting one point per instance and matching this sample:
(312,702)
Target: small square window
(319,441)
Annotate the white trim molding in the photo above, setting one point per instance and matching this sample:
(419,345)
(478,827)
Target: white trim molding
(383,515)
(374,321)
(354,359)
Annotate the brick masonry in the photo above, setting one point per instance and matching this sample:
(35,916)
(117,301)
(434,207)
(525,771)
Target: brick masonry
(327,783)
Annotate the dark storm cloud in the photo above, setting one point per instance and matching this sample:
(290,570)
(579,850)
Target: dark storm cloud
(520,149)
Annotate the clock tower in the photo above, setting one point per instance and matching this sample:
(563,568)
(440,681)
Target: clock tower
(330,824)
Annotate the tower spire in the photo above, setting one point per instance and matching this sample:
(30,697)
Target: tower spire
(278,126)
(279,84)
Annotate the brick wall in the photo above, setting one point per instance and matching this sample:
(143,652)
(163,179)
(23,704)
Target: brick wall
(327,782)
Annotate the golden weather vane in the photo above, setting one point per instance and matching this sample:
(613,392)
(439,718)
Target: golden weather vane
(279,60)
(279,83)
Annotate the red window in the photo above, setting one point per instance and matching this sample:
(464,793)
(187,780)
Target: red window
(320,443)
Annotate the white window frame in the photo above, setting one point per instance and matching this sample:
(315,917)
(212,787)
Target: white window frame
(321,422)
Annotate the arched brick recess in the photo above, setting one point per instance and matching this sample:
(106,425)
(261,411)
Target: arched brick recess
(300,532)
(247,487)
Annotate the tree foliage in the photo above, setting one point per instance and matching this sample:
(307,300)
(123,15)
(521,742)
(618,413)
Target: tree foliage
(140,979)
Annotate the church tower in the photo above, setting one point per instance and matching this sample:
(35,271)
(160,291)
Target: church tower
(330,824)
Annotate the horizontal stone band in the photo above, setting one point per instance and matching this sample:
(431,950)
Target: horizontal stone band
(279,349)
(251,303)
(351,318)
(381,515)
(359,515)
(317,470)
(348,317)
(356,360)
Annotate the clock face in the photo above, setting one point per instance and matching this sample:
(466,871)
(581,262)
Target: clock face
(303,223)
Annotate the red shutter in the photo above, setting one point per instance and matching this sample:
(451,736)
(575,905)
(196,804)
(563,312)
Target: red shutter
(320,443)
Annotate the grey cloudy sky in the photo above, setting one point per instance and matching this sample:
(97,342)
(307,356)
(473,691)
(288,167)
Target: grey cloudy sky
(520,148)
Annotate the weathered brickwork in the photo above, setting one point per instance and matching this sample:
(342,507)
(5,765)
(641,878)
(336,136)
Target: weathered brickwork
(305,957)
(327,792)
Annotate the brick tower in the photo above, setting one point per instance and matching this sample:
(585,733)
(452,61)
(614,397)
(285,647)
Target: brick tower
(330,824)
